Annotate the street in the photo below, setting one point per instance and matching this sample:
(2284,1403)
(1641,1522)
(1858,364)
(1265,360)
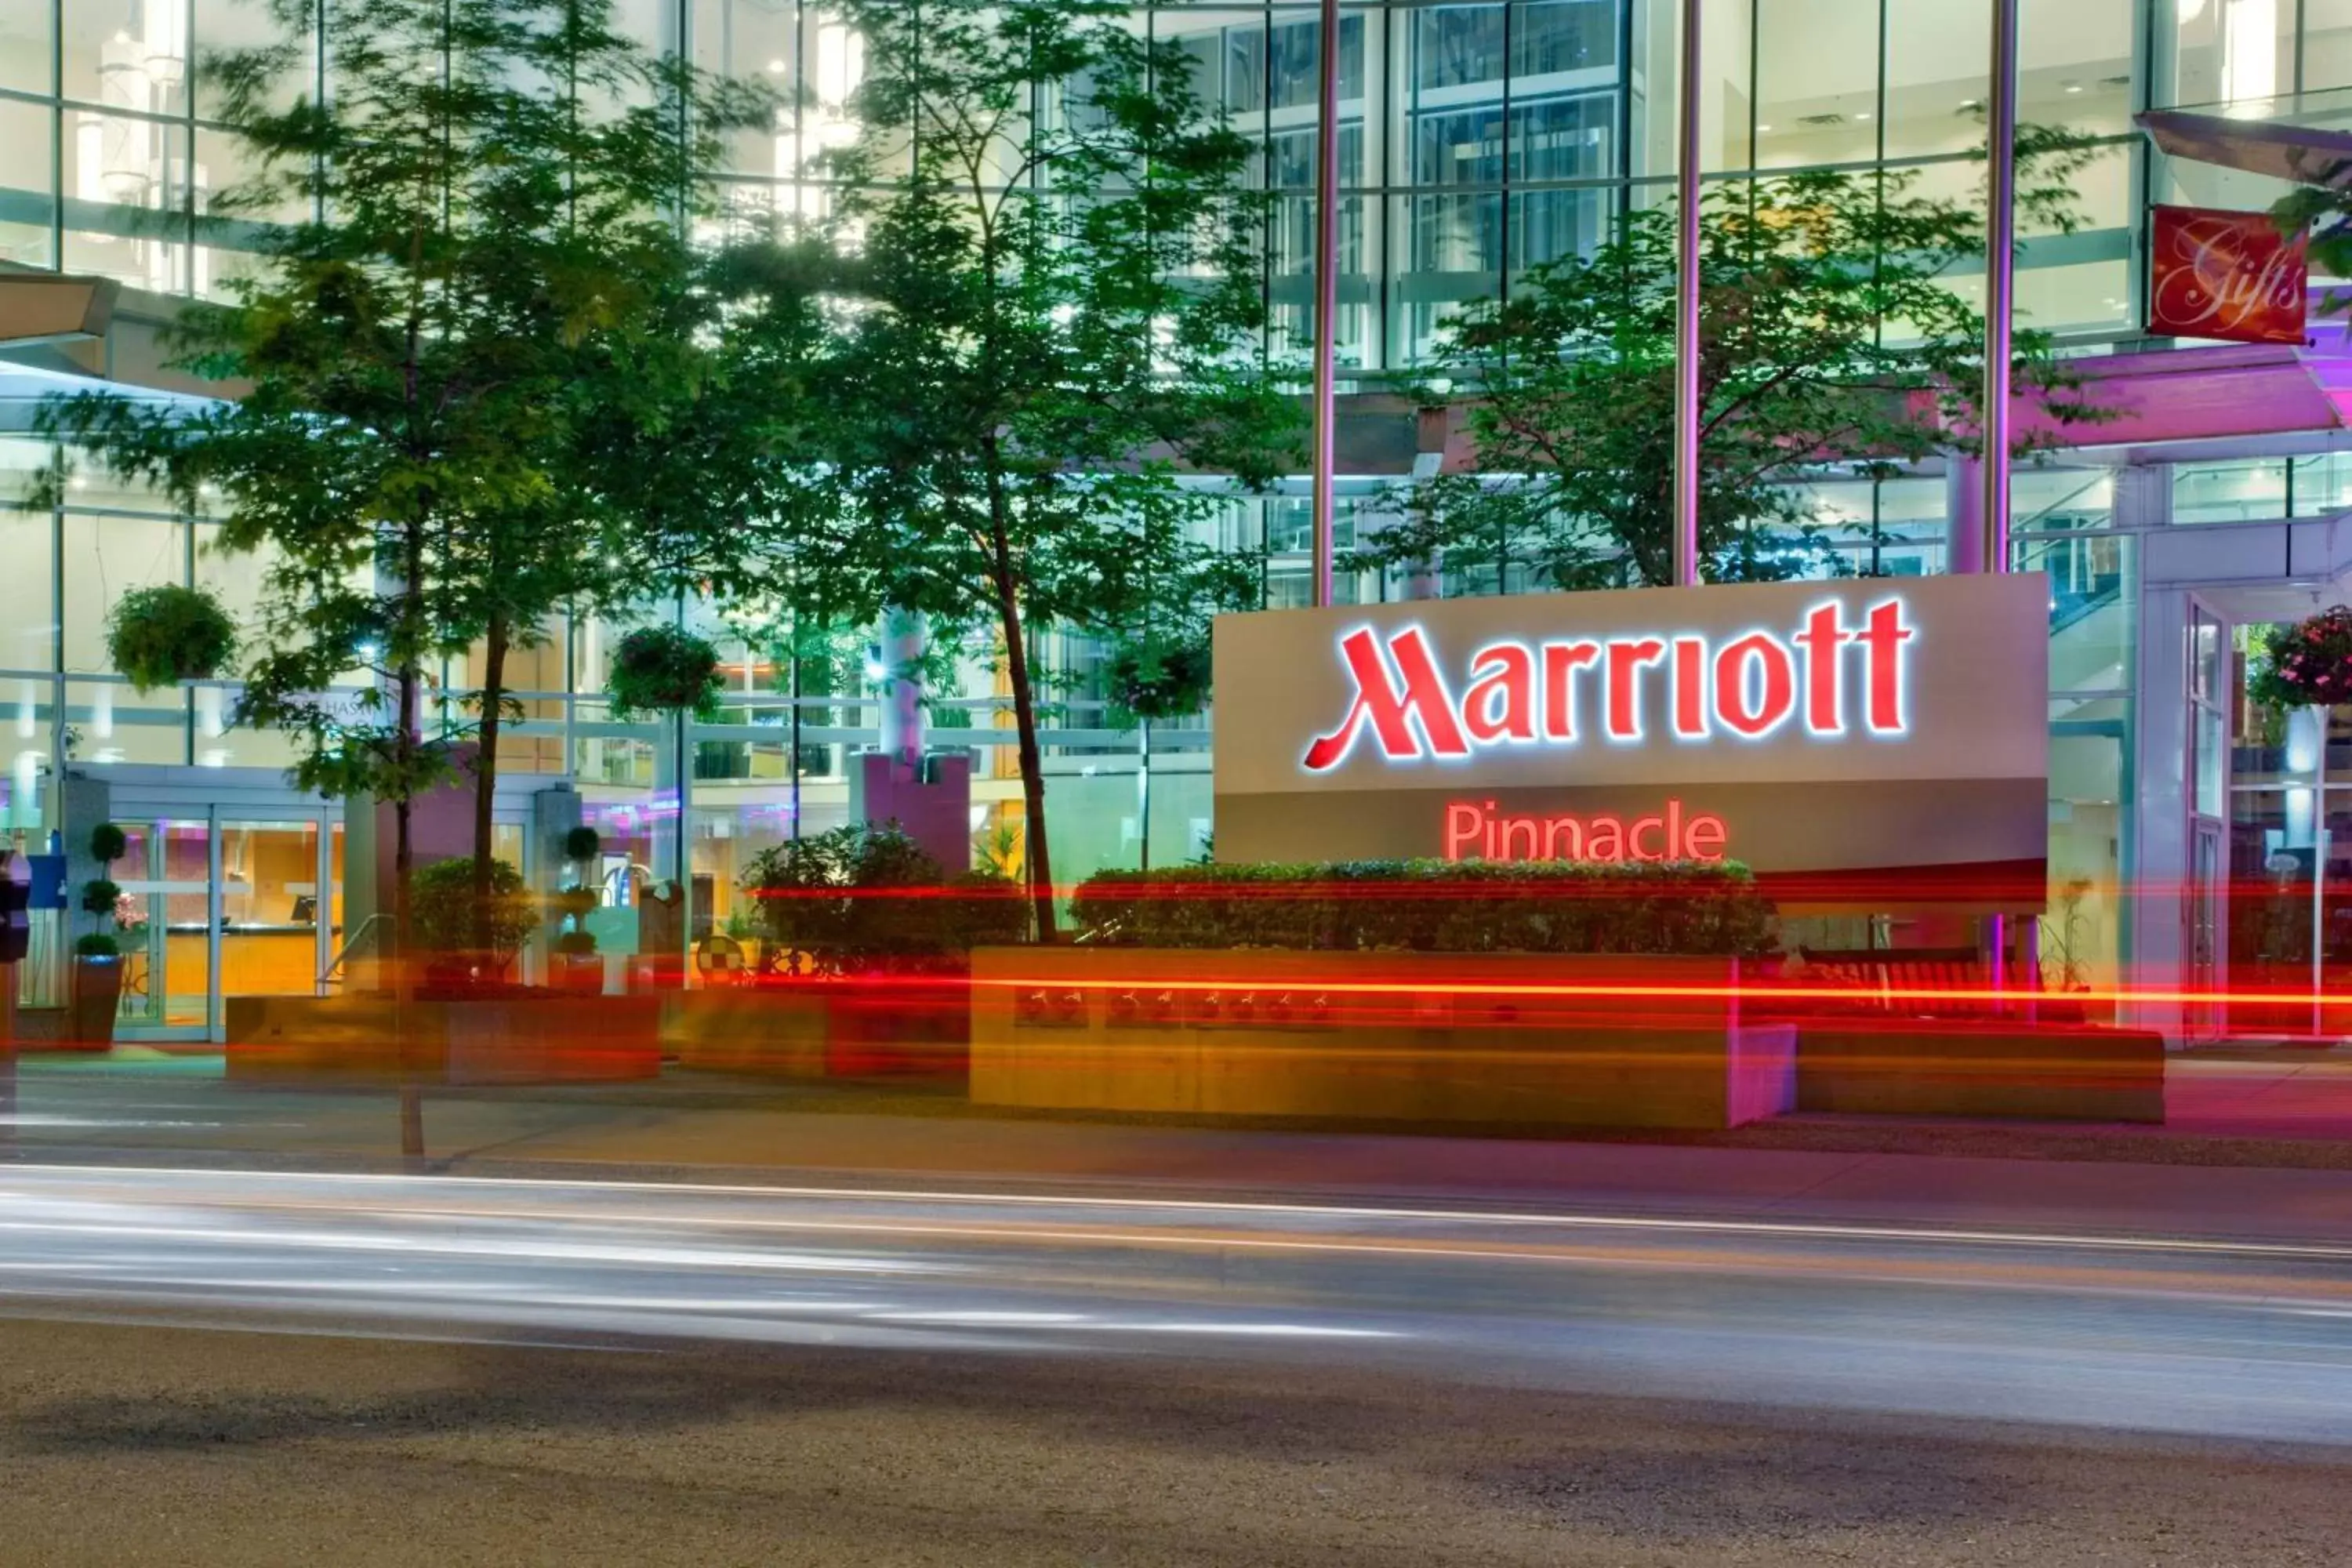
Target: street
(256,1367)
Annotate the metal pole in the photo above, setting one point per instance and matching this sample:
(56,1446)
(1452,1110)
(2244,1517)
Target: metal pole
(1327,298)
(1687,299)
(2001,278)
(2000,281)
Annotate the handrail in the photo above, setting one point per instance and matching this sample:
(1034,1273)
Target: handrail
(327,976)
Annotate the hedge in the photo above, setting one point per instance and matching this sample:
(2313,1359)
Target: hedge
(1434,906)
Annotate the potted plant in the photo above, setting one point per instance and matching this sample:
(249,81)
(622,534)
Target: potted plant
(167,634)
(576,965)
(98,954)
(664,669)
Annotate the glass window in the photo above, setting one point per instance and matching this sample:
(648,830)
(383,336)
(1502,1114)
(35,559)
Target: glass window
(1551,37)
(28,621)
(127,199)
(2327,45)
(247,25)
(104,558)
(2075,65)
(2244,490)
(1816,82)
(132,59)
(26,50)
(2050,499)
(1937,56)
(2233,54)
(27,205)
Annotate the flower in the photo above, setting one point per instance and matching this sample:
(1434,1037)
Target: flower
(130,912)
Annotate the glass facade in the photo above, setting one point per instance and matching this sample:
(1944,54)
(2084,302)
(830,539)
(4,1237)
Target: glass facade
(1476,141)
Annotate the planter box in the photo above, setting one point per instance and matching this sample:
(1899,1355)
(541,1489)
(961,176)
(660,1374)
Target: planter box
(906,1026)
(1924,1066)
(545,1038)
(1531,1040)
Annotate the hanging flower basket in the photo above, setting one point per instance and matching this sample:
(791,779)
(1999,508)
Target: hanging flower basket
(162,636)
(662,670)
(1162,682)
(2306,664)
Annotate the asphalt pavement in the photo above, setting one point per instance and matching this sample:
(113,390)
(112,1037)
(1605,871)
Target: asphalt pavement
(256,1368)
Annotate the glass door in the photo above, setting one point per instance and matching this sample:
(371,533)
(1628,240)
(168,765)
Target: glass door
(164,925)
(276,897)
(217,905)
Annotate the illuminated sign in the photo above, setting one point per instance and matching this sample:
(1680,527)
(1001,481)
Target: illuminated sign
(1800,727)
(2226,275)
(1476,830)
(1556,692)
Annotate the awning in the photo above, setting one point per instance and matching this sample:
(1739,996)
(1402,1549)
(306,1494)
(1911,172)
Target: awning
(2281,149)
(50,308)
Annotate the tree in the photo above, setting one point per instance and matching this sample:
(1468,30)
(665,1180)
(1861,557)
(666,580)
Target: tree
(500,193)
(1829,334)
(1050,306)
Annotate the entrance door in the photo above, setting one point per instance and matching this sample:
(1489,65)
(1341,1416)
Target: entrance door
(220,904)
(277,902)
(164,924)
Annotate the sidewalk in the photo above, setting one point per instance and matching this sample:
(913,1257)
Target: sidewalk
(2196,1179)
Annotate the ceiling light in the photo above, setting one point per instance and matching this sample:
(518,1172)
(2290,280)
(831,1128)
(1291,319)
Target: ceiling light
(1762,129)
(777,68)
(1864,115)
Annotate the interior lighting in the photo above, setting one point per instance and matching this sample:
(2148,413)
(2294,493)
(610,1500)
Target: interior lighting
(2249,57)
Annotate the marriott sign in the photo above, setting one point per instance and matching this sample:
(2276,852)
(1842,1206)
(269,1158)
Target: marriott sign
(1798,726)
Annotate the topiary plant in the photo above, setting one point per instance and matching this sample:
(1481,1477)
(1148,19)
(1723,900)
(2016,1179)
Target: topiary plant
(582,843)
(100,895)
(164,635)
(576,943)
(97,945)
(108,843)
(664,669)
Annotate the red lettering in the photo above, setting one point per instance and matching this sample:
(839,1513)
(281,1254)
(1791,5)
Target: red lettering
(1884,636)
(1824,636)
(1461,827)
(1476,831)
(1627,658)
(1501,702)
(1690,688)
(1569,830)
(1422,697)
(1561,661)
(1776,679)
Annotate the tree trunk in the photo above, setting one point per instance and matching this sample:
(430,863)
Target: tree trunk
(1032,770)
(486,782)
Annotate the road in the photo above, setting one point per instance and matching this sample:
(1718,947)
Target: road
(429,1369)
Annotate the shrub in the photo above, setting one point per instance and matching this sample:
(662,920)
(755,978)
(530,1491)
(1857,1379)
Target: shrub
(869,898)
(97,945)
(1433,906)
(2307,664)
(582,844)
(100,895)
(576,943)
(441,908)
(167,634)
(664,669)
(108,843)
